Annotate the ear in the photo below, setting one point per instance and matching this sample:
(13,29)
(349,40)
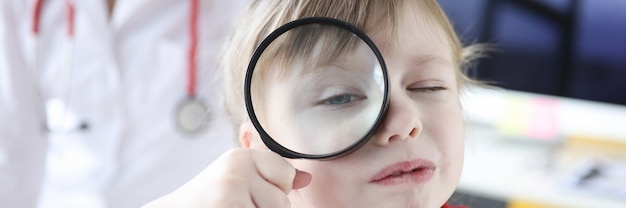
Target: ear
(248,136)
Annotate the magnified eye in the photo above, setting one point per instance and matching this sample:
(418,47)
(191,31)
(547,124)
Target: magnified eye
(342,99)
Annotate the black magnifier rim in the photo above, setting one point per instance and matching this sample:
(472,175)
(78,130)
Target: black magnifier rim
(267,139)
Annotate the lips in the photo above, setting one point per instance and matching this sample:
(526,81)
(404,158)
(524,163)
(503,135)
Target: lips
(414,171)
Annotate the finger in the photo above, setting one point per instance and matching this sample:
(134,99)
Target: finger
(301,179)
(274,169)
(267,195)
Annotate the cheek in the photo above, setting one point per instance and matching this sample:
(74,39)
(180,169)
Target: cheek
(447,129)
(451,127)
(443,121)
(453,149)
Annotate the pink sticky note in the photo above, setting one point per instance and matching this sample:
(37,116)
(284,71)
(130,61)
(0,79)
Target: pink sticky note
(543,119)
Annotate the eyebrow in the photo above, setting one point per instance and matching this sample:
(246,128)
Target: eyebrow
(432,66)
(421,60)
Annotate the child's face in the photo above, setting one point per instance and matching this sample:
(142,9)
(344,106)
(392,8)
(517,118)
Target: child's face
(423,127)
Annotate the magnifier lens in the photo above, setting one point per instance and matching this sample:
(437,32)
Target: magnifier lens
(317,89)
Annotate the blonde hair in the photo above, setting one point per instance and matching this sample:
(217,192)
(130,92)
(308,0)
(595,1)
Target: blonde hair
(264,16)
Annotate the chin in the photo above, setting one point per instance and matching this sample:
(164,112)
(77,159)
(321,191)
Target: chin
(412,199)
(396,204)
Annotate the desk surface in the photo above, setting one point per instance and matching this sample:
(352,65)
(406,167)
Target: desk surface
(511,168)
(506,169)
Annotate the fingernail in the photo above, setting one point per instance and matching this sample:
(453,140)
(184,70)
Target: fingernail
(302,179)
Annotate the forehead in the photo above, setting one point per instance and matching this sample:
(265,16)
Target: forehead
(312,47)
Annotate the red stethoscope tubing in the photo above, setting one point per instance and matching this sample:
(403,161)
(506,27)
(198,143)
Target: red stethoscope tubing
(69,6)
(193,39)
(67,58)
(193,33)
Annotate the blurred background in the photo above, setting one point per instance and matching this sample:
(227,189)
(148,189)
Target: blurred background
(571,48)
(553,131)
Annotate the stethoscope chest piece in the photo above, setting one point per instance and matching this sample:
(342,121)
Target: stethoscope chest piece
(192,116)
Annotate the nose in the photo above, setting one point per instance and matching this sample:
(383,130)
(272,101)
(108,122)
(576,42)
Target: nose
(401,122)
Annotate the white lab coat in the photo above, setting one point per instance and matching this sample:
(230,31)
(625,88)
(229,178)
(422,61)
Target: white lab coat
(129,74)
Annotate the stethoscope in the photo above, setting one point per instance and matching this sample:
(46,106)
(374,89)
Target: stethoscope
(191,115)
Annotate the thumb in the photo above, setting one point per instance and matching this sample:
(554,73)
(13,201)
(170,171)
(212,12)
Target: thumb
(301,179)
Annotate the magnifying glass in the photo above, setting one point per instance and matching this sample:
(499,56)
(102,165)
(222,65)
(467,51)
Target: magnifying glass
(316,88)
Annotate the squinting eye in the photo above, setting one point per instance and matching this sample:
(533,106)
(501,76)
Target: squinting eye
(427,89)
